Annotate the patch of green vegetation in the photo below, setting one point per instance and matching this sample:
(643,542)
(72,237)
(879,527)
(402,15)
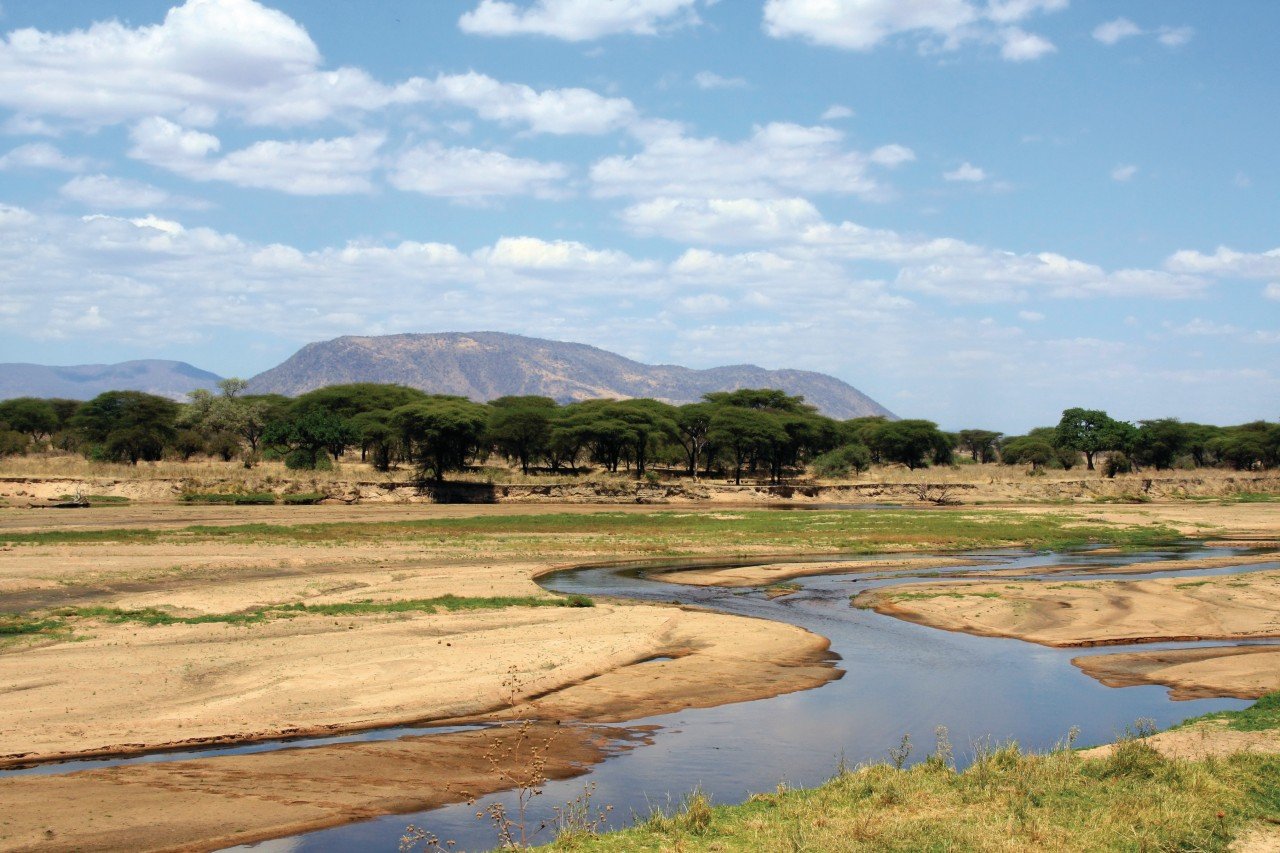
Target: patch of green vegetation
(1133,799)
(1256,498)
(97,500)
(1123,498)
(1260,716)
(15,625)
(1190,584)
(671,533)
(238,499)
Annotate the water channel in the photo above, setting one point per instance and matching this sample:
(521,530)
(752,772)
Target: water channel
(898,678)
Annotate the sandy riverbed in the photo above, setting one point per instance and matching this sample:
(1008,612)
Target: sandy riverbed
(1233,607)
(768,573)
(1245,672)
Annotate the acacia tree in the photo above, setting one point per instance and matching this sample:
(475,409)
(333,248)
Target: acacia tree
(307,438)
(693,425)
(979,443)
(127,425)
(910,442)
(1088,431)
(440,433)
(742,432)
(520,427)
(34,417)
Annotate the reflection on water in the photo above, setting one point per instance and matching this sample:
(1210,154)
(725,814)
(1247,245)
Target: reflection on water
(899,678)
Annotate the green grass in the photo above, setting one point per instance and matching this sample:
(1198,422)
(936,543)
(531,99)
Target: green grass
(238,499)
(1256,498)
(97,500)
(666,533)
(1135,799)
(62,620)
(1260,716)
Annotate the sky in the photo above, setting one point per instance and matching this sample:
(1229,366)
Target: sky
(979,212)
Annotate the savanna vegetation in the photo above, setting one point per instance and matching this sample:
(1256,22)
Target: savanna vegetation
(757,433)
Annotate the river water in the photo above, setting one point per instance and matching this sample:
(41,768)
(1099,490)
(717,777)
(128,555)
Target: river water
(899,678)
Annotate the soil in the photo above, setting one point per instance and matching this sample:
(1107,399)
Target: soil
(1245,672)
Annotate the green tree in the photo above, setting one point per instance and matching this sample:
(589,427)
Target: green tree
(1088,431)
(520,427)
(127,425)
(1027,449)
(1160,442)
(440,433)
(910,442)
(742,432)
(308,437)
(377,437)
(31,416)
(693,427)
(842,461)
(980,444)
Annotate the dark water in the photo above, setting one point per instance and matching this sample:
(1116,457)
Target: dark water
(900,678)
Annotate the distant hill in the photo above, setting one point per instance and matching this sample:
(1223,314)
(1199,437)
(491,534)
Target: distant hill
(485,365)
(84,381)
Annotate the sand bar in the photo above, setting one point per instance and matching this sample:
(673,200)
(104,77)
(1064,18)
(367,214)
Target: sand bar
(1244,672)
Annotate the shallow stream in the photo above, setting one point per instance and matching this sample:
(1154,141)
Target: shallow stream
(900,678)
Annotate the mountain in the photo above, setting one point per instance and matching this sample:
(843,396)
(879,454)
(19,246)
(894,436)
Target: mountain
(485,365)
(84,381)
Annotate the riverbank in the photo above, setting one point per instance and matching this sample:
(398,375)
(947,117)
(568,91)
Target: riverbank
(1142,793)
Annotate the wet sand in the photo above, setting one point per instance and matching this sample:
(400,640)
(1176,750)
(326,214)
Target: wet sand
(1244,672)
(763,575)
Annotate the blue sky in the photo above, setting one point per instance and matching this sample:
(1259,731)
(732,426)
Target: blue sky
(977,211)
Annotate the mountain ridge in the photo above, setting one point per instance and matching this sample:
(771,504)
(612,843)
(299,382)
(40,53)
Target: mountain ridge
(166,378)
(486,365)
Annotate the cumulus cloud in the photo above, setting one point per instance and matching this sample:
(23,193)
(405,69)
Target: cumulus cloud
(210,57)
(319,167)
(108,193)
(777,160)
(556,111)
(578,20)
(835,112)
(743,220)
(965,172)
(935,24)
(41,155)
(470,173)
(1272,291)
(1226,262)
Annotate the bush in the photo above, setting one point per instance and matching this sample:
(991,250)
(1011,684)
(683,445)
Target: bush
(12,443)
(250,498)
(1117,463)
(841,461)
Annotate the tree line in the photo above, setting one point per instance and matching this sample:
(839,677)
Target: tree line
(757,432)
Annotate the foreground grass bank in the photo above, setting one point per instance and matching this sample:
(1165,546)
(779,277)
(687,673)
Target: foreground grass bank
(661,533)
(1134,799)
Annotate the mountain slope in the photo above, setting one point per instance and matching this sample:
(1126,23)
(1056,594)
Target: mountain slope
(84,381)
(485,365)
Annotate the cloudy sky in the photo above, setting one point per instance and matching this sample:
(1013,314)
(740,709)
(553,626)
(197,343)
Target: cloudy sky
(977,211)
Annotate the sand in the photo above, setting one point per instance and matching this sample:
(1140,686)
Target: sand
(1095,613)
(769,573)
(1244,672)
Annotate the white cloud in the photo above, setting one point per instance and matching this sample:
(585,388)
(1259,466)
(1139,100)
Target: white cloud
(711,80)
(464,173)
(1226,262)
(1112,32)
(722,220)
(1272,291)
(578,20)
(1124,172)
(20,125)
(557,111)
(1018,45)
(1031,316)
(41,155)
(1174,36)
(966,171)
(777,160)
(835,112)
(319,167)
(935,24)
(108,193)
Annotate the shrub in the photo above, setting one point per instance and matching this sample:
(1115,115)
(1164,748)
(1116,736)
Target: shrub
(842,461)
(1117,463)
